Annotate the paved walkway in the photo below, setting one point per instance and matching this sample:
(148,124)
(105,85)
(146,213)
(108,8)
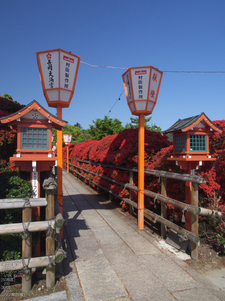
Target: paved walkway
(108,258)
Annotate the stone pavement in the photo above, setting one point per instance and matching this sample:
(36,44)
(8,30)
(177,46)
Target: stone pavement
(108,258)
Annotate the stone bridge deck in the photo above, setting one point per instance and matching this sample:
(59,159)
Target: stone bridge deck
(108,258)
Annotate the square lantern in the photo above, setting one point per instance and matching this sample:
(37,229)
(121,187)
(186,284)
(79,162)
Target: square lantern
(191,140)
(142,86)
(34,126)
(58,72)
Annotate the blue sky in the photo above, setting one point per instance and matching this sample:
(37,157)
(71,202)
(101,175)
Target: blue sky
(171,35)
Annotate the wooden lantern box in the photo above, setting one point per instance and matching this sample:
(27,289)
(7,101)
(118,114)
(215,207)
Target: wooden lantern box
(34,140)
(191,149)
(191,141)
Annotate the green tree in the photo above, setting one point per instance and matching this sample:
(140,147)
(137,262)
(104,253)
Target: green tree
(78,125)
(78,134)
(134,124)
(104,127)
(5,95)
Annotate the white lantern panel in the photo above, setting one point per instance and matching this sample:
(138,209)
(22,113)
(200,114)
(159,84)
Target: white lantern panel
(68,67)
(50,69)
(154,85)
(53,95)
(128,86)
(65,95)
(150,106)
(140,105)
(140,80)
(67,138)
(132,107)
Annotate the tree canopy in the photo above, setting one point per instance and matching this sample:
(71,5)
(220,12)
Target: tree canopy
(78,134)
(104,127)
(5,95)
(134,124)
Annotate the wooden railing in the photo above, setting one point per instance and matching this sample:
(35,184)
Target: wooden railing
(50,225)
(192,208)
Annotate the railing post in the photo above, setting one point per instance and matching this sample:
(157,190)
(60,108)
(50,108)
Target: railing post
(131,181)
(50,185)
(163,206)
(194,221)
(26,251)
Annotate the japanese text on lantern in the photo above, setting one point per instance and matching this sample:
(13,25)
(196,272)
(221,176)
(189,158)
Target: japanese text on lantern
(128,84)
(68,60)
(50,75)
(140,74)
(154,79)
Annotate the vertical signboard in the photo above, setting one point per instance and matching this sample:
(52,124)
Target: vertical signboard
(35,184)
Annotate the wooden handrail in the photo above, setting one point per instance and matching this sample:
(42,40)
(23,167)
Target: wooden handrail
(154,172)
(22,203)
(192,209)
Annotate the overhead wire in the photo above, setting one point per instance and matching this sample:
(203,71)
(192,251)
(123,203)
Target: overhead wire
(167,71)
(115,102)
(123,68)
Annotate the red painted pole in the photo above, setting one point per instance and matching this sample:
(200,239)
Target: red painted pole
(59,163)
(67,158)
(141,153)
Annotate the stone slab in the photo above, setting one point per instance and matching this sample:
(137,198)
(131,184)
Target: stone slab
(85,247)
(169,273)
(105,235)
(139,244)
(217,277)
(142,285)
(74,289)
(99,281)
(59,296)
(196,294)
(122,258)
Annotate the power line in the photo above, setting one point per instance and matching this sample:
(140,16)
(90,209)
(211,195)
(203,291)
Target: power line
(167,71)
(100,66)
(115,103)
(195,71)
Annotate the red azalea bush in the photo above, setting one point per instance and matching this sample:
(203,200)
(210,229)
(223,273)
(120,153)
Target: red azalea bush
(7,135)
(9,106)
(212,193)
(122,150)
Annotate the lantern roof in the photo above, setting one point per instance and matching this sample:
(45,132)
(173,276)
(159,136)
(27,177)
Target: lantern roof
(195,122)
(37,111)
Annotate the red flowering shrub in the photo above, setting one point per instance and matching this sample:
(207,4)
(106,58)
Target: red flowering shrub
(9,106)
(7,135)
(212,193)
(122,150)
(81,150)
